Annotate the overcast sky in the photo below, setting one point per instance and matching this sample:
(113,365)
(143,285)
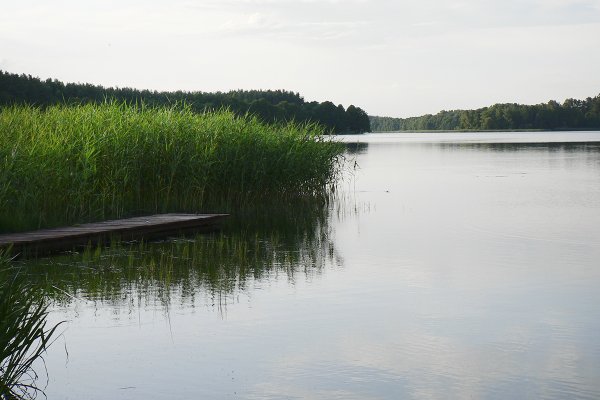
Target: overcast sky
(395,58)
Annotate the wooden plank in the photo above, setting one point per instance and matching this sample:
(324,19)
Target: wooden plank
(46,241)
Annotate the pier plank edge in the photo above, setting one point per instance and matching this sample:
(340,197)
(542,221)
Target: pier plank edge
(46,241)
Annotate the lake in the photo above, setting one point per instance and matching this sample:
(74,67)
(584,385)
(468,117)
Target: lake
(446,265)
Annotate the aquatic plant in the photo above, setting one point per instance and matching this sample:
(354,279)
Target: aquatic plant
(24,334)
(70,164)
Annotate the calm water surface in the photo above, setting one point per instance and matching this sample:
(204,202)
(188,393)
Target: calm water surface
(448,266)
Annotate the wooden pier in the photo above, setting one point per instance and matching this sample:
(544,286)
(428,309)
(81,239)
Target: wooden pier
(46,241)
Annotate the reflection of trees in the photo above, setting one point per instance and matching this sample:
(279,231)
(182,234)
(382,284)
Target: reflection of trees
(255,244)
(568,147)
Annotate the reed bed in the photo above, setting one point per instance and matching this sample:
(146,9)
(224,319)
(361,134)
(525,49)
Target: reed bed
(70,164)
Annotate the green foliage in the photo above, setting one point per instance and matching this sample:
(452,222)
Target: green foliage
(268,105)
(69,164)
(24,335)
(572,114)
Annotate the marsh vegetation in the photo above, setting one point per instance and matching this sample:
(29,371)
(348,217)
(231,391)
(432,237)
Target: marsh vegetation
(72,164)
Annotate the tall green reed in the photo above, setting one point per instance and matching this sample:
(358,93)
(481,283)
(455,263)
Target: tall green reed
(24,334)
(68,164)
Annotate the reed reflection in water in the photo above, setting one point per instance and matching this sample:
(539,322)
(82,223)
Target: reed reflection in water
(254,245)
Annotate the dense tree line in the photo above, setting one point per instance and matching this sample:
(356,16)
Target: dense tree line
(571,114)
(268,105)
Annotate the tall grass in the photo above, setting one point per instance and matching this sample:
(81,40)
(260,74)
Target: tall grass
(24,335)
(67,164)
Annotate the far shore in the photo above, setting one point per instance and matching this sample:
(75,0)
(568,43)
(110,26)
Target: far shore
(492,130)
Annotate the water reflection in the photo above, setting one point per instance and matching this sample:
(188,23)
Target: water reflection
(569,147)
(486,255)
(256,244)
(357,147)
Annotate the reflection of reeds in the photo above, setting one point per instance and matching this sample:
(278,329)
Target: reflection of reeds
(256,243)
(69,164)
(24,335)
(357,147)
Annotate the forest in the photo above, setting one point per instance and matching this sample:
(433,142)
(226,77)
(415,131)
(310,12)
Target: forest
(571,114)
(268,105)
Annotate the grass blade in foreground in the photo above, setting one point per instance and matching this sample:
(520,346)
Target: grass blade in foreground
(24,335)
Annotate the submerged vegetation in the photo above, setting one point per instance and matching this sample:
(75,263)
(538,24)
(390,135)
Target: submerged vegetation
(267,105)
(71,164)
(24,335)
(571,114)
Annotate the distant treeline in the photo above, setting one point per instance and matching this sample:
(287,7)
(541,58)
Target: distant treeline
(571,114)
(268,105)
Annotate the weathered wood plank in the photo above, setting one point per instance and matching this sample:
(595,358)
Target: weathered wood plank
(45,241)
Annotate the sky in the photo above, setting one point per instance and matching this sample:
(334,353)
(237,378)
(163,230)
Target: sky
(395,58)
